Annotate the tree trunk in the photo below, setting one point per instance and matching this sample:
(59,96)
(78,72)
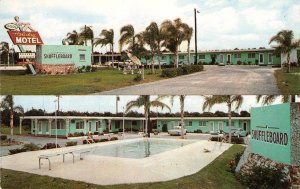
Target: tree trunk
(229,120)
(182,114)
(146,120)
(189,53)
(159,66)
(92,41)
(11,122)
(176,57)
(288,63)
(152,66)
(149,124)
(112,54)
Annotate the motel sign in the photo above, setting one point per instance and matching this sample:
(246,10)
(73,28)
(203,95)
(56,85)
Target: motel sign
(25,38)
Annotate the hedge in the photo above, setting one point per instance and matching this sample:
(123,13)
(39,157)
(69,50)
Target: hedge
(183,70)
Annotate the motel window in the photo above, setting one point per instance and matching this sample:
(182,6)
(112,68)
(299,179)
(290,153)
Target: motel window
(251,55)
(134,123)
(237,55)
(202,123)
(189,123)
(202,56)
(181,56)
(270,58)
(80,125)
(82,56)
(163,57)
(47,127)
(98,125)
(227,124)
(39,126)
(61,124)
(117,124)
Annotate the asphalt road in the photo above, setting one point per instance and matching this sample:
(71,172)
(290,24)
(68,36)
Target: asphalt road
(214,80)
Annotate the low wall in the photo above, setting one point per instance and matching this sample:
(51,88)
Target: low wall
(293,172)
(55,68)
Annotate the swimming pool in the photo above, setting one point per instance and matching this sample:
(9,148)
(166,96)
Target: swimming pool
(139,148)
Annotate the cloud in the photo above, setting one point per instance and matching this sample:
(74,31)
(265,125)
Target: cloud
(221,24)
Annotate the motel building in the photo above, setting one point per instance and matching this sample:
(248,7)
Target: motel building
(260,56)
(69,125)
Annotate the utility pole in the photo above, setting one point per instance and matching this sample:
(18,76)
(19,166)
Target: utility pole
(196,49)
(117,104)
(58,96)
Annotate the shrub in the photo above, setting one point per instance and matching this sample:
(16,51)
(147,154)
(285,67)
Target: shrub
(239,62)
(179,71)
(50,146)
(31,147)
(71,143)
(85,141)
(186,69)
(196,68)
(234,162)
(103,140)
(113,138)
(93,69)
(70,135)
(88,69)
(198,131)
(169,72)
(215,138)
(16,151)
(264,178)
(237,140)
(96,140)
(3,137)
(96,133)
(138,77)
(81,134)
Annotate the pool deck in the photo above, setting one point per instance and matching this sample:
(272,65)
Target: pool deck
(102,170)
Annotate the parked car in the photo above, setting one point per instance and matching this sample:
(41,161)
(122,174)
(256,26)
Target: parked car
(237,132)
(240,132)
(176,131)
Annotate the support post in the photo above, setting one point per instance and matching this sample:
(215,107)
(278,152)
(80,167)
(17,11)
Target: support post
(21,125)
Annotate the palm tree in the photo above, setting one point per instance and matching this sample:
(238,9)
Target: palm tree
(174,33)
(72,39)
(232,101)
(188,36)
(270,99)
(152,38)
(86,33)
(127,36)
(144,101)
(181,99)
(106,38)
(286,43)
(8,104)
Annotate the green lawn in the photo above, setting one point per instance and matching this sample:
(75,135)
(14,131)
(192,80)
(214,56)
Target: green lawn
(215,175)
(5,130)
(288,83)
(83,83)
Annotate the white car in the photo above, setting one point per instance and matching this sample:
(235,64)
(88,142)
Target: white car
(240,132)
(176,131)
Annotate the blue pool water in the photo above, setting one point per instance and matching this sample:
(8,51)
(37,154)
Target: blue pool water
(139,149)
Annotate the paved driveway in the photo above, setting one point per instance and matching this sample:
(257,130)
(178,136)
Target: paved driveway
(214,80)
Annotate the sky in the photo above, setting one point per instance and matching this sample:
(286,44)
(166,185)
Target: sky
(104,103)
(222,24)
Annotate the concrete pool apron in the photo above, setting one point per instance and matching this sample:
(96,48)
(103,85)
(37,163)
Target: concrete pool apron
(103,170)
